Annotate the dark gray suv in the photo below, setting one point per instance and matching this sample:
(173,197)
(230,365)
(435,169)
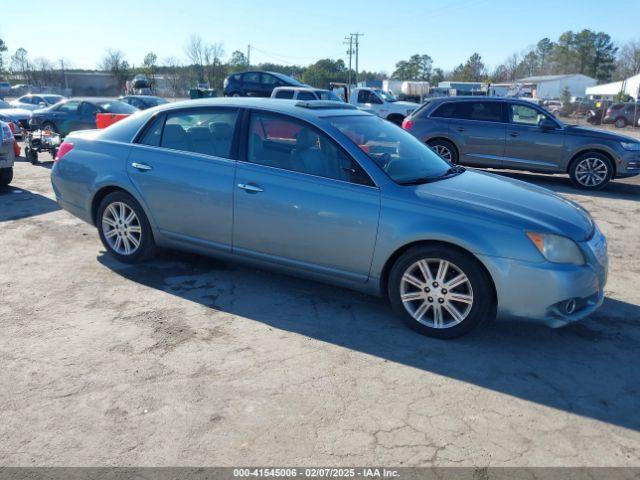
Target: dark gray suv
(516,134)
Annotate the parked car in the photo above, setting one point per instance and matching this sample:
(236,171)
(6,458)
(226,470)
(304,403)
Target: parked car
(7,154)
(622,114)
(77,114)
(304,94)
(381,103)
(594,116)
(36,101)
(554,106)
(143,102)
(19,116)
(329,192)
(515,134)
(257,84)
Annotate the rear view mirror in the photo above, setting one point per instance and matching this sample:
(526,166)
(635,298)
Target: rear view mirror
(547,124)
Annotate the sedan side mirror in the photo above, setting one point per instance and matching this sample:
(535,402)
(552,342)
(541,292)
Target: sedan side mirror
(547,124)
(42,104)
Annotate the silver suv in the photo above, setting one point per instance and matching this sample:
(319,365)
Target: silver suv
(515,134)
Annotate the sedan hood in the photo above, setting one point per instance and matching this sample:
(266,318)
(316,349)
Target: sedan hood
(598,134)
(533,207)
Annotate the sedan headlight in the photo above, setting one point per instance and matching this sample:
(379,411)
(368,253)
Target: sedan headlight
(557,249)
(633,146)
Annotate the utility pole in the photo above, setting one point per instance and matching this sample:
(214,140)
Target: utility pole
(349,41)
(248,55)
(357,42)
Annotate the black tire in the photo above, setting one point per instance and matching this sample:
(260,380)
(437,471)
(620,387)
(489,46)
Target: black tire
(31,155)
(481,310)
(445,146)
(146,247)
(6,176)
(620,122)
(396,119)
(51,126)
(576,172)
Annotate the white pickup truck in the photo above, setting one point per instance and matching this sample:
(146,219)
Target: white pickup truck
(381,103)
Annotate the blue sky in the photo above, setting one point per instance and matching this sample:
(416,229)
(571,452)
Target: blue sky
(300,32)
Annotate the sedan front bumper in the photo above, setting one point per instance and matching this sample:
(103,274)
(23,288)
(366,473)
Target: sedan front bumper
(549,293)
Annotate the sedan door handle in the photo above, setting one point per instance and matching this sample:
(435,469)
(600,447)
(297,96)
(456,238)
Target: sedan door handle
(460,129)
(141,166)
(250,188)
(513,134)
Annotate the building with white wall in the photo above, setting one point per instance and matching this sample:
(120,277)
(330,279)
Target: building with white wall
(551,86)
(630,86)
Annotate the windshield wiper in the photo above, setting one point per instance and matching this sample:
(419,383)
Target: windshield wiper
(451,172)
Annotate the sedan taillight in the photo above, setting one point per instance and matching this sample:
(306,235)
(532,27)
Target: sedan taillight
(407,124)
(63,149)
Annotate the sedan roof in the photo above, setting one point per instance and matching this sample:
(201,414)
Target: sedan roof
(289,107)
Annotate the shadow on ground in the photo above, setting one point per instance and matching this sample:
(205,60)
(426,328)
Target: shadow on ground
(44,160)
(18,203)
(588,369)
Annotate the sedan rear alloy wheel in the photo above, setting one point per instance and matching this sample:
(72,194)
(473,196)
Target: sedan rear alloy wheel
(124,229)
(591,172)
(436,293)
(121,228)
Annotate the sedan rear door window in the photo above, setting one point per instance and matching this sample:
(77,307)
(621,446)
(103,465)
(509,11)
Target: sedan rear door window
(208,132)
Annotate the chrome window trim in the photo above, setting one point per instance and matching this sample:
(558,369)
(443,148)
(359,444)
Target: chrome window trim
(201,156)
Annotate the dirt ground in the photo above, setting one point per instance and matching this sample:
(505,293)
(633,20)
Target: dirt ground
(190,361)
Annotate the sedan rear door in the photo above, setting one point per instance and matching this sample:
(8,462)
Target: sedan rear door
(183,167)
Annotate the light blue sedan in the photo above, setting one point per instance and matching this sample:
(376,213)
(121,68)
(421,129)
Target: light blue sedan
(331,193)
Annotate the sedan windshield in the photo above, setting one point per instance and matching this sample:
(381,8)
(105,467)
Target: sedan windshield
(116,106)
(399,154)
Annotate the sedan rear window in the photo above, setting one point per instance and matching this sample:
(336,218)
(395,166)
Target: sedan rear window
(116,106)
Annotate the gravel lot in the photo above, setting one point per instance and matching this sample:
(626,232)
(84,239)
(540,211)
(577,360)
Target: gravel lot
(190,361)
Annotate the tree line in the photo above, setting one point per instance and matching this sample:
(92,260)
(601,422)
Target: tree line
(588,52)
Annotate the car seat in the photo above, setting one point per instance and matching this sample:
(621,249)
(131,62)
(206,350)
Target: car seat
(306,156)
(175,137)
(222,134)
(202,140)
